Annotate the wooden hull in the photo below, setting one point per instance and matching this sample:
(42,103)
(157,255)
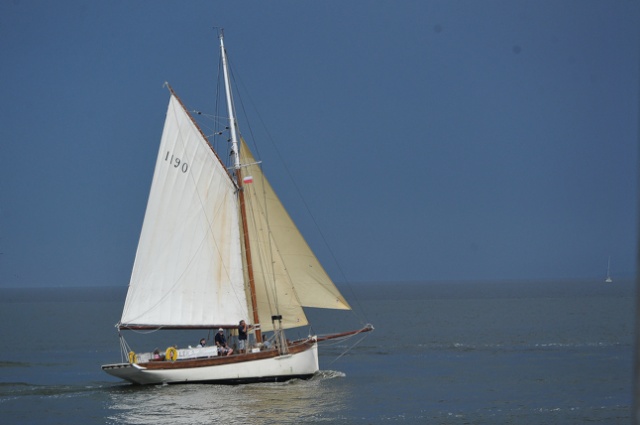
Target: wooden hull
(264,366)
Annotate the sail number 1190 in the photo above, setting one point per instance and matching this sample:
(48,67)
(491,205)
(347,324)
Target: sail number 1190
(176,162)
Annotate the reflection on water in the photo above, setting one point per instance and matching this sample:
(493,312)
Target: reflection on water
(289,402)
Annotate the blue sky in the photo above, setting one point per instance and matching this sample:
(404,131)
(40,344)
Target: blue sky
(431,140)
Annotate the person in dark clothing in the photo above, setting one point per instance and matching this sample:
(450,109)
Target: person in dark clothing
(221,343)
(243,328)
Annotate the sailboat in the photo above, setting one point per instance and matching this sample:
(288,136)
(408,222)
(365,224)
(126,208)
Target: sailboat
(608,279)
(216,247)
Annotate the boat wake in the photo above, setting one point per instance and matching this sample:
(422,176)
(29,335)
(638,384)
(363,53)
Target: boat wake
(327,374)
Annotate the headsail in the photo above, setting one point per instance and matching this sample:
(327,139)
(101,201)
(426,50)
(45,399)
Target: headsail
(188,267)
(288,276)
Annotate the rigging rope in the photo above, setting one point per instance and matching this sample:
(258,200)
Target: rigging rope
(349,348)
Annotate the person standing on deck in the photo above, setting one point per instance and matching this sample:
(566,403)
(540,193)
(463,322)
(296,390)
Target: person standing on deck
(243,328)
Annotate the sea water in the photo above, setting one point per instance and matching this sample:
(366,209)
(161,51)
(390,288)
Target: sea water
(442,353)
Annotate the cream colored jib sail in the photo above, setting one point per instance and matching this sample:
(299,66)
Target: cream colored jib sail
(288,275)
(216,247)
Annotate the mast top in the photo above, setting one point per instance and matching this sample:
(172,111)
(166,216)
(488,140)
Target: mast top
(230,108)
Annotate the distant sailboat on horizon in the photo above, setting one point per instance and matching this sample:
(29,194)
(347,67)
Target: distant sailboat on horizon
(608,279)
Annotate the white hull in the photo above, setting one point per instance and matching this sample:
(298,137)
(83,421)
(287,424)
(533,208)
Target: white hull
(235,369)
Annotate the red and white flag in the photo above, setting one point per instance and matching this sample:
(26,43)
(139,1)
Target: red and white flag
(248,179)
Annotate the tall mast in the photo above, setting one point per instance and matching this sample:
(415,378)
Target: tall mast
(236,165)
(232,118)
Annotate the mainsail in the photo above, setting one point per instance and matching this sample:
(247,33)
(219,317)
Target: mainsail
(188,267)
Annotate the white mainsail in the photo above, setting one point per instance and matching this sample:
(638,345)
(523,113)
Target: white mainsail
(188,266)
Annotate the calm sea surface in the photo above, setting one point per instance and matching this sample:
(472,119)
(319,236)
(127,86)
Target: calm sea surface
(442,353)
